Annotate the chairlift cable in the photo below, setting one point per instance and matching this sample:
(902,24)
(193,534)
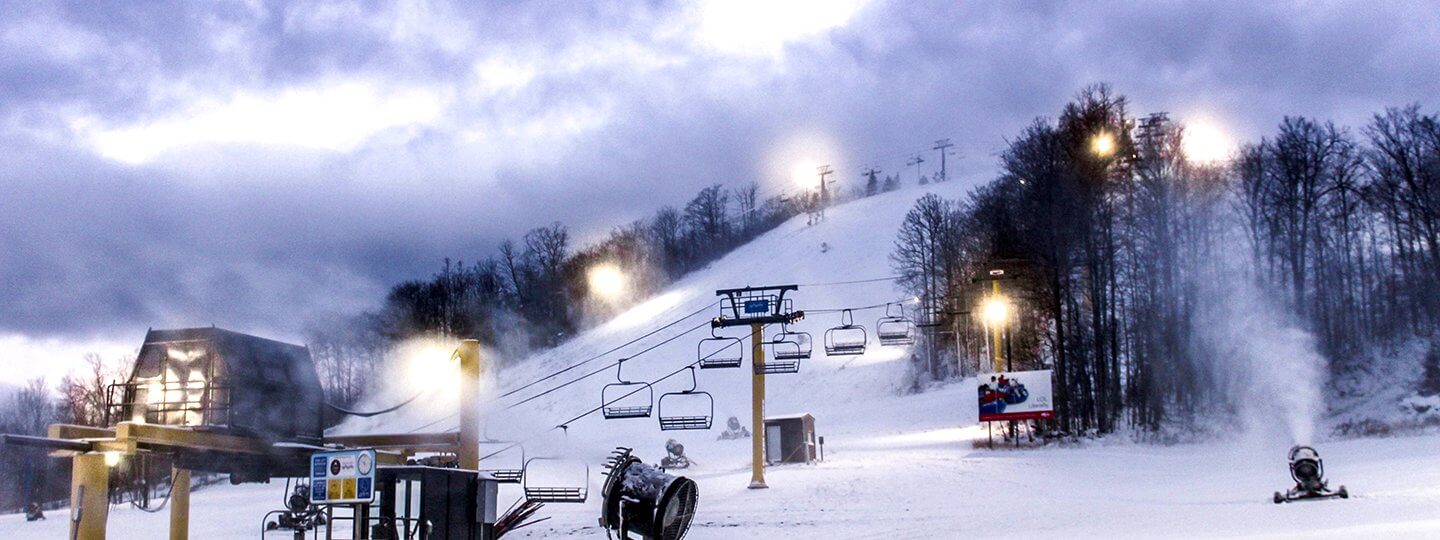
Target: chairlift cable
(587,360)
(861,308)
(369,414)
(852,282)
(608,366)
(603,404)
(612,350)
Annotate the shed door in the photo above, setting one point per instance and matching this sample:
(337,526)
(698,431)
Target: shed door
(773,449)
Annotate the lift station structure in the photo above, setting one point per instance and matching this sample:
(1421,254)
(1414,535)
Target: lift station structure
(224,402)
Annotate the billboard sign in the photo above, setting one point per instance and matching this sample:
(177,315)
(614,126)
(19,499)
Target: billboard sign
(1015,395)
(342,477)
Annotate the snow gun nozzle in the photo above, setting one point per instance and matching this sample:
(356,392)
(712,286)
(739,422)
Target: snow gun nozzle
(1308,472)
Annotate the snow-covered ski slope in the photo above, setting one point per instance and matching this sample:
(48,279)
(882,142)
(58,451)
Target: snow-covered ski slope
(896,465)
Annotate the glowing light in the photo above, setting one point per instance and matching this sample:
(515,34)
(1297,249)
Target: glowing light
(1102,144)
(792,161)
(996,310)
(112,459)
(1206,144)
(805,176)
(608,282)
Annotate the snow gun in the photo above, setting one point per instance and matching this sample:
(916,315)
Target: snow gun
(1308,471)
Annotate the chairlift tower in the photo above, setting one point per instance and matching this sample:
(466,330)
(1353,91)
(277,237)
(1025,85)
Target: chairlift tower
(756,307)
(943,145)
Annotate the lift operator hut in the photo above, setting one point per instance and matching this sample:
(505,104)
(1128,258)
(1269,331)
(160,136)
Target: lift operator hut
(790,438)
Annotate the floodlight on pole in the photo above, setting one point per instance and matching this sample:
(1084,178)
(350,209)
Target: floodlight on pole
(996,311)
(1102,144)
(608,282)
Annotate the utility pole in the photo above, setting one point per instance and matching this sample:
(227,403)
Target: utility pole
(942,145)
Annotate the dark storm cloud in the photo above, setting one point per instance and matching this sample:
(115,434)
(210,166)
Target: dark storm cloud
(614,110)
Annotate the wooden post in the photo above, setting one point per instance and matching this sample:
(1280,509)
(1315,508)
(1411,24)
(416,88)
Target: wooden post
(469,451)
(89,496)
(757,408)
(179,504)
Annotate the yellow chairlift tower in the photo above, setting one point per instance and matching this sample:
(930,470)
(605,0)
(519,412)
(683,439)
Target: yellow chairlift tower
(756,307)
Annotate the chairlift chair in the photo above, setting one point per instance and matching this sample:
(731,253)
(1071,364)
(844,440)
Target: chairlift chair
(787,349)
(927,317)
(848,339)
(895,329)
(493,452)
(714,352)
(685,418)
(545,480)
(613,394)
(788,345)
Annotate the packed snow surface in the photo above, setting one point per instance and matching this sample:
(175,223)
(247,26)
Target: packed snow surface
(896,464)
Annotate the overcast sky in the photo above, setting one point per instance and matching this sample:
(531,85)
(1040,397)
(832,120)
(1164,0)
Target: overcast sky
(258,164)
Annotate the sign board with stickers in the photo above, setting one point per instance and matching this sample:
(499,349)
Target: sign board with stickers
(343,477)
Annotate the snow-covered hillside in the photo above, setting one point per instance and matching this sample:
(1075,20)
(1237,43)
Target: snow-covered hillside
(896,465)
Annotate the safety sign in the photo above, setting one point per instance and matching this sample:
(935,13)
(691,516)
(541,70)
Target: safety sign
(342,477)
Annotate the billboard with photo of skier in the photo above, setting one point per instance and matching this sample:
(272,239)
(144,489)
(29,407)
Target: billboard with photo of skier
(1016,395)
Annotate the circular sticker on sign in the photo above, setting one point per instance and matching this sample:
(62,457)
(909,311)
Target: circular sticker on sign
(334,467)
(365,464)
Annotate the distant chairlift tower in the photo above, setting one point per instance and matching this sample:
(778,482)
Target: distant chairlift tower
(756,307)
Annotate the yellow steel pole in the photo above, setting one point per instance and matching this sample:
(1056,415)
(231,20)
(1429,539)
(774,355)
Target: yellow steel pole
(179,504)
(469,452)
(89,496)
(757,408)
(995,351)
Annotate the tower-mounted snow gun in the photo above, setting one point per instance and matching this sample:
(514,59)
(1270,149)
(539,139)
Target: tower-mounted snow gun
(1308,471)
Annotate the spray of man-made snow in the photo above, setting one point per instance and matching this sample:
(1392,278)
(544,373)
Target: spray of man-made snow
(1269,368)
(423,369)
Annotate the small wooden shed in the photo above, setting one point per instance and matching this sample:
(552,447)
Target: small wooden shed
(790,438)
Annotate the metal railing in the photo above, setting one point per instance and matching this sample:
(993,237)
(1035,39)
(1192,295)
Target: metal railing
(170,403)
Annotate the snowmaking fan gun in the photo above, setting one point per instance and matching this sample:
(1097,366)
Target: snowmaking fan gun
(1308,471)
